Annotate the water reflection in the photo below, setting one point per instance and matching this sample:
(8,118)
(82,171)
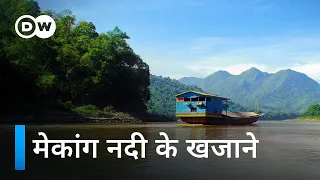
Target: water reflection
(216,132)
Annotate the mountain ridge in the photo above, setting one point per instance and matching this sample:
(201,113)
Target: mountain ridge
(284,90)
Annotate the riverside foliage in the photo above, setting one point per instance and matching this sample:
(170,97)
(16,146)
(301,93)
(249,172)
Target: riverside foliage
(313,112)
(76,64)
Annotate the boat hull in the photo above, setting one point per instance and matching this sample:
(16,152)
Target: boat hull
(220,121)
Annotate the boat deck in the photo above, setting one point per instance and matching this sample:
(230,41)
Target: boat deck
(239,114)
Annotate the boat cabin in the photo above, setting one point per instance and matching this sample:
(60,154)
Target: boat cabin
(199,104)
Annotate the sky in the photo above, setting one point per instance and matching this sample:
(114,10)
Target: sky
(180,38)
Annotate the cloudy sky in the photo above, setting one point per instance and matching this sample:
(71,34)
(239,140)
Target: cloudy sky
(180,38)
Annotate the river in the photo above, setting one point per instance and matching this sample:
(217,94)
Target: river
(287,150)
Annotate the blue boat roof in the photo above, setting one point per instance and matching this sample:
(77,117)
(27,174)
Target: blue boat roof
(203,94)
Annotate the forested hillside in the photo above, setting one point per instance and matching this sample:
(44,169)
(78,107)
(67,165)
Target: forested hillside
(76,65)
(163,91)
(287,90)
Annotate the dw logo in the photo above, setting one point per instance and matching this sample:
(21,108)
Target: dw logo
(43,26)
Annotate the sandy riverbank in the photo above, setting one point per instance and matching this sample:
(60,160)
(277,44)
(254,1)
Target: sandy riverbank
(303,120)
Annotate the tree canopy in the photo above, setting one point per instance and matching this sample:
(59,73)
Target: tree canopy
(76,64)
(313,110)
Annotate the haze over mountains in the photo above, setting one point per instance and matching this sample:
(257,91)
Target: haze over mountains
(286,90)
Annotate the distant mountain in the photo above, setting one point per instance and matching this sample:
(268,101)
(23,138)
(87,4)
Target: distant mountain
(286,90)
(163,91)
(189,80)
(216,77)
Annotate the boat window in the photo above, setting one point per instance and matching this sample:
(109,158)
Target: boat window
(201,99)
(186,99)
(180,99)
(193,109)
(194,99)
(208,99)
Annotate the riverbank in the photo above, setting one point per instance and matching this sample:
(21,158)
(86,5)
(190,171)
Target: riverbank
(62,117)
(303,120)
(54,116)
(306,119)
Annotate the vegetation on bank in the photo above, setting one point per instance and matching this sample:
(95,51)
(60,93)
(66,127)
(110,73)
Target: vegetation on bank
(92,111)
(76,65)
(309,118)
(279,115)
(312,113)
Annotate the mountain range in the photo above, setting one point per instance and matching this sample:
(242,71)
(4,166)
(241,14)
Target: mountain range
(285,90)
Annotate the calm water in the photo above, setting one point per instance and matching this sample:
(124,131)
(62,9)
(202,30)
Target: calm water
(287,150)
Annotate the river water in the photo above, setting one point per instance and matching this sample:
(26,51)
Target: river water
(287,150)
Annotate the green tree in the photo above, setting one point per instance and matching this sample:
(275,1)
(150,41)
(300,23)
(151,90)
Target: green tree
(313,110)
(76,65)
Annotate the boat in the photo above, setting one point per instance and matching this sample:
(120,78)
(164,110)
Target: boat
(202,108)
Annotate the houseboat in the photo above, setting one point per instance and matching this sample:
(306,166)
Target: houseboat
(201,108)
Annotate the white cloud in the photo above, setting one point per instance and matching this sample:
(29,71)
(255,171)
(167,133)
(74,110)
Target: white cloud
(311,70)
(269,54)
(205,55)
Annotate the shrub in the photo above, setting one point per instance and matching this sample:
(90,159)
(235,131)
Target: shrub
(92,111)
(313,110)
(66,106)
(109,108)
(89,111)
(87,108)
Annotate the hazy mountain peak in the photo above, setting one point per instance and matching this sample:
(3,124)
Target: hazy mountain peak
(189,77)
(296,77)
(218,75)
(252,70)
(253,74)
(288,71)
(222,72)
(291,73)
(189,80)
